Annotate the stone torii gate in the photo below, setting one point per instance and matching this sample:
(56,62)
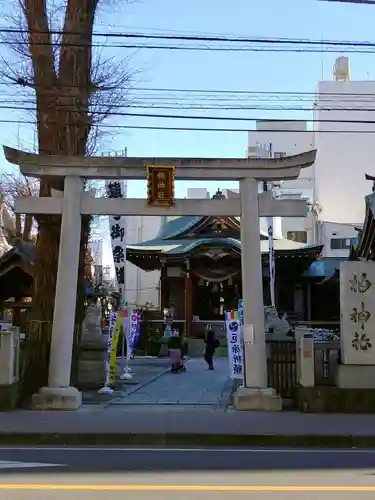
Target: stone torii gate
(72,203)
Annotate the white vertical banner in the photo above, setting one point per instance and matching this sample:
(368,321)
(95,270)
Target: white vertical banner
(117,232)
(106,389)
(271,251)
(235,352)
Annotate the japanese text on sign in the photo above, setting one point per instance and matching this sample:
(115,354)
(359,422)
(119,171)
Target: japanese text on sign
(117,230)
(235,354)
(160,185)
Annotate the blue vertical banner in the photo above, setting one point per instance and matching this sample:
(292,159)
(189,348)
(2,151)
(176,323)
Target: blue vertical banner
(240,311)
(135,328)
(235,351)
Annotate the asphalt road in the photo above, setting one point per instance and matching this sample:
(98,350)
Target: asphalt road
(179,473)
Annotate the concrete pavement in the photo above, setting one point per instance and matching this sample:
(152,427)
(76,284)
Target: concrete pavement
(198,386)
(181,424)
(188,408)
(144,369)
(163,473)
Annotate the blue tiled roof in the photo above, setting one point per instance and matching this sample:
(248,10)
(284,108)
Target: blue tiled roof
(175,247)
(324,267)
(173,226)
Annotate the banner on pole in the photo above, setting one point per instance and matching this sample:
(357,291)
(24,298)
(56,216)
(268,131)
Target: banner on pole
(117,231)
(111,329)
(271,251)
(240,312)
(134,332)
(120,321)
(235,351)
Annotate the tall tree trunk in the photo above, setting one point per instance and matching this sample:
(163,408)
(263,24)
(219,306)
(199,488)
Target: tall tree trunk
(63,128)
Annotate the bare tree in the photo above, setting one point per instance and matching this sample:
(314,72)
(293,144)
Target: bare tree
(74,89)
(18,227)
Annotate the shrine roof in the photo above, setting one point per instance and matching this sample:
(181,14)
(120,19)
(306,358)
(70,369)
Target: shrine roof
(325,267)
(365,247)
(179,247)
(26,252)
(174,226)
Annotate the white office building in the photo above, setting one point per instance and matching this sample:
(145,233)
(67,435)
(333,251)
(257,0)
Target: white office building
(335,185)
(344,134)
(142,288)
(96,249)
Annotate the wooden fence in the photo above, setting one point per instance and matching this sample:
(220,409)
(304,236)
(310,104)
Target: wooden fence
(281,361)
(282,371)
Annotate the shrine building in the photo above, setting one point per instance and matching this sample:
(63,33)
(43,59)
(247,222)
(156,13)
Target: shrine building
(199,259)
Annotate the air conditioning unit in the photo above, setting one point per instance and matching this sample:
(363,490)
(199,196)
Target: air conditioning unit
(9,355)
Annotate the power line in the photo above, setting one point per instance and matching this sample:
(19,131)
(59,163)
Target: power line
(195,129)
(318,45)
(187,107)
(196,117)
(206,93)
(195,38)
(205,48)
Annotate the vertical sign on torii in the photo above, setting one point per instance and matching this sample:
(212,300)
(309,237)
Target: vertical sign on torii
(250,206)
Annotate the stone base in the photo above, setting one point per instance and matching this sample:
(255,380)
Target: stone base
(9,397)
(334,400)
(91,363)
(355,377)
(57,398)
(91,370)
(252,399)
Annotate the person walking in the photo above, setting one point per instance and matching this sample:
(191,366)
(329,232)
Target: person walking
(211,344)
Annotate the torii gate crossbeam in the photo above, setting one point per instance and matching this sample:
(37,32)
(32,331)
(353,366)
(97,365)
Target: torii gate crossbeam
(72,204)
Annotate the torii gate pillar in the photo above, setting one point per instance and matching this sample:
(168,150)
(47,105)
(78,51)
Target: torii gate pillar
(71,204)
(254,394)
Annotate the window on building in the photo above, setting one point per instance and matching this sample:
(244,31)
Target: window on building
(298,236)
(340,243)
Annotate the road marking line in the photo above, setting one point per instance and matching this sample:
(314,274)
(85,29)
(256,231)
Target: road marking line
(175,488)
(8,464)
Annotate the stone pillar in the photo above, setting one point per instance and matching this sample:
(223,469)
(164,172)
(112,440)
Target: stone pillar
(254,395)
(91,365)
(59,395)
(357,329)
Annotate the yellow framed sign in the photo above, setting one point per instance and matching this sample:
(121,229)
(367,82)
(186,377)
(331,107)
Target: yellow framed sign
(160,184)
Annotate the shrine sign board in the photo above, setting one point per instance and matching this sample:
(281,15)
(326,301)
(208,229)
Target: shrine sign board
(160,185)
(357,299)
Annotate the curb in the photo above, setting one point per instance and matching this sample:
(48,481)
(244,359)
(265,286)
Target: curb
(186,439)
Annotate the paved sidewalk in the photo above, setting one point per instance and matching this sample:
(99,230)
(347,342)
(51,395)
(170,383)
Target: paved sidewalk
(198,386)
(144,371)
(168,425)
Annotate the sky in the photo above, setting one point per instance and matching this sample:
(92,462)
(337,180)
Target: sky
(248,71)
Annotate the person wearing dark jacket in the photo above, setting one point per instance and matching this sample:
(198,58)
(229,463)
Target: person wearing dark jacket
(211,344)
